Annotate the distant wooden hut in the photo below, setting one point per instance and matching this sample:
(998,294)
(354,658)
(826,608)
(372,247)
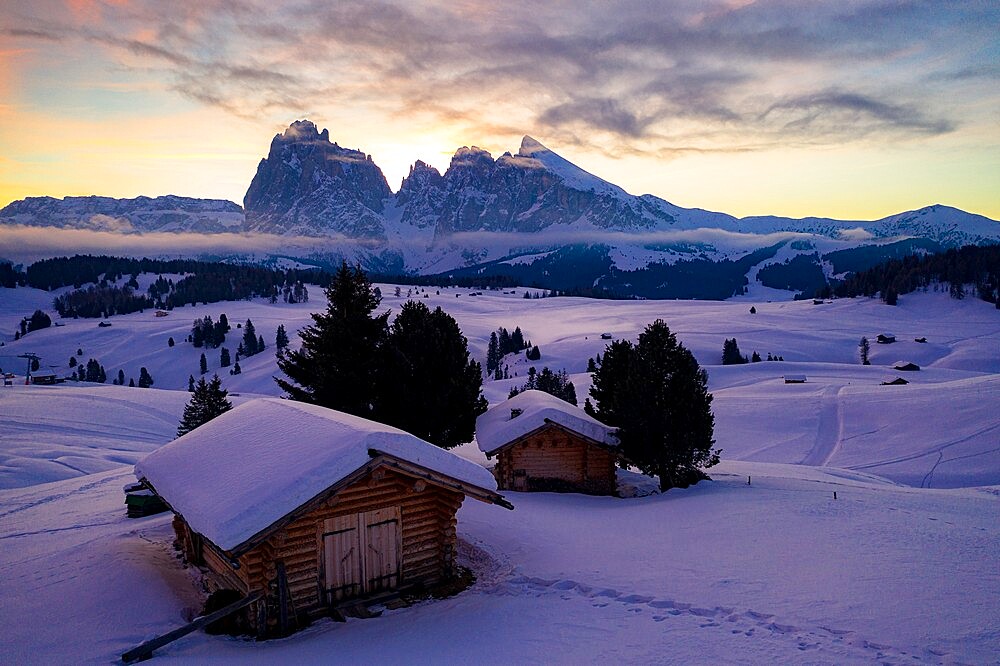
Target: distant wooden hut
(921,340)
(312,508)
(44,378)
(606,336)
(795,379)
(543,443)
(885,338)
(905,366)
(898,381)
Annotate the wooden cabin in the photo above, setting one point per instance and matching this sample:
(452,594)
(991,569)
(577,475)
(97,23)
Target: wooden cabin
(795,379)
(885,338)
(542,443)
(44,378)
(897,381)
(905,366)
(313,508)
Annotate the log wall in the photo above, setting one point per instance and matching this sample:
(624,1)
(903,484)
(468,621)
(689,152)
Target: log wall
(554,459)
(429,540)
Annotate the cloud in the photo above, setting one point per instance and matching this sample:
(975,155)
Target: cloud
(839,112)
(653,78)
(597,113)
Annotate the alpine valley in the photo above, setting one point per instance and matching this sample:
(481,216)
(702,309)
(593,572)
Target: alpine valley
(532,216)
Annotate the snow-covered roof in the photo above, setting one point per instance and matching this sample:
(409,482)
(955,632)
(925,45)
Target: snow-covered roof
(496,428)
(245,470)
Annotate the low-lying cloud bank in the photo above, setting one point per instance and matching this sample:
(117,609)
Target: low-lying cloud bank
(25,244)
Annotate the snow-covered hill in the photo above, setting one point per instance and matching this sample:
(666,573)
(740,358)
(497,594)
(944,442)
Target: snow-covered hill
(938,431)
(760,565)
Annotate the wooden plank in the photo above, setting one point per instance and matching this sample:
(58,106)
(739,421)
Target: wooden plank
(381,546)
(145,650)
(342,556)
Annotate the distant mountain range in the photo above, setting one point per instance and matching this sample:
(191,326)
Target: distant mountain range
(531,215)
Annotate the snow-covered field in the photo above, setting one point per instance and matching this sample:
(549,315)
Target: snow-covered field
(903,567)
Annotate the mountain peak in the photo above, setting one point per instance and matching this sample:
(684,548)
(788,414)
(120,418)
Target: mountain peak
(530,147)
(304,131)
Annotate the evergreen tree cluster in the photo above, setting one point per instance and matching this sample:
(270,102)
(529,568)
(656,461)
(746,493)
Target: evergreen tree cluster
(208,400)
(11,277)
(36,322)
(502,343)
(731,353)
(657,396)
(103,300)
(553,383)
(92,372)
(974,265)
(206,333)
(251,343)
(415,374)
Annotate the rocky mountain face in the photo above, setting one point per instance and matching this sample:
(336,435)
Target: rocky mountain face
(142,214)
(531,191)
(307,186)
(533,216)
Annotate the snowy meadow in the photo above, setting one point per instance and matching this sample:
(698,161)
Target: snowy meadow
(760,564)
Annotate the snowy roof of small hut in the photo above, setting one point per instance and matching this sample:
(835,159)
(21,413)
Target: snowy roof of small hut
(497,428)
(245,470)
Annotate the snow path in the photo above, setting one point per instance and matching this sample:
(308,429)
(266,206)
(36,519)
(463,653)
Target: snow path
(753,624)
(830,428)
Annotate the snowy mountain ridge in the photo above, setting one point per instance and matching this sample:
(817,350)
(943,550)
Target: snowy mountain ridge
(334,203)
(139,215)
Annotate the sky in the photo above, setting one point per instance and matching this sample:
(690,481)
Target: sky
(852,109)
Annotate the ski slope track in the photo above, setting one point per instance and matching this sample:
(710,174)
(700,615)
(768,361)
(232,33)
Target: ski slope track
(760,565)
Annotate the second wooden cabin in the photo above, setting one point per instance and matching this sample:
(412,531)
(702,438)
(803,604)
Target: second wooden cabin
(544,443)
(312,507)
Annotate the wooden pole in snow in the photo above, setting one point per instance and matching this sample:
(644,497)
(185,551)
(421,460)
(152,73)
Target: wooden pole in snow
(145,650)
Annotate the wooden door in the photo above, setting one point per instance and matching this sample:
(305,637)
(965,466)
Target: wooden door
(382,548)
(362,553)
(342,557)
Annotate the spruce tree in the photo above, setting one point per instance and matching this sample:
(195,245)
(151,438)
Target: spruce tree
(131,382)
(72,361)
(493,354)
(203,364)
(145,379)
(657,396)
(224,359)
(280,338)
(517,339)
(170,342)
(428,384)
(208,400)
(249,339)
(336,365)
(190,383)
(121,377)
(864,348)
